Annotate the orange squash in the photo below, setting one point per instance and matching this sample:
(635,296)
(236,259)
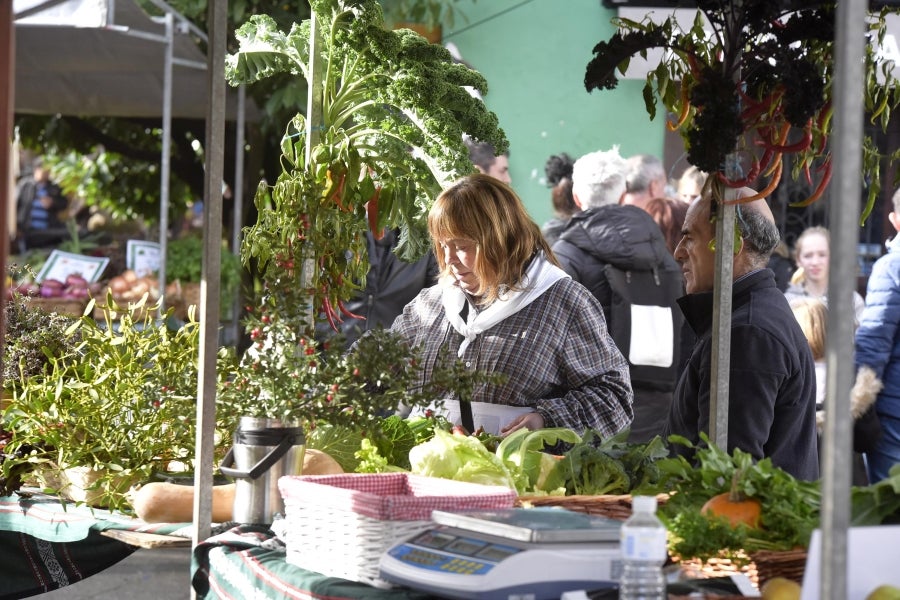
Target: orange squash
(734,506)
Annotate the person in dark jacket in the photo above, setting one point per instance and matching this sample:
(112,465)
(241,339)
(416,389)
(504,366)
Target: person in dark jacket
(39,202)
(878,349)
(604,235)
(390,284)
(772,379)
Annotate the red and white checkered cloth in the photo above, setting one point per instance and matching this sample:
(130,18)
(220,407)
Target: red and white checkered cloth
(392,496)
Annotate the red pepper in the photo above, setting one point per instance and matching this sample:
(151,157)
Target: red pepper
(820,189)
(372,214)
(763,193)
(752,174)
(347,313)
(330,314)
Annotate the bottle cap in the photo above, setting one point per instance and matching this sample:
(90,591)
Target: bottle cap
(643,504)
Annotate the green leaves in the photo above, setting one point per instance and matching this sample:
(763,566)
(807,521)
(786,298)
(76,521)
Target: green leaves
(122,399)
(266,51)
(790,507)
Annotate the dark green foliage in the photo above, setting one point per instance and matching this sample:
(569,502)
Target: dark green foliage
(610,466)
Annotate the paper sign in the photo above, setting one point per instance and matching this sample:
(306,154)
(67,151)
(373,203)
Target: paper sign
(142,257)
(61,264)
(873,554)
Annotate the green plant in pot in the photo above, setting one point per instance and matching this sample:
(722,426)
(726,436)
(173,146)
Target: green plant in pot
(120,404)
(184,260)
(390,119)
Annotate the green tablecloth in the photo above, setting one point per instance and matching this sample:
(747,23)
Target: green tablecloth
(249,562)
(46,545)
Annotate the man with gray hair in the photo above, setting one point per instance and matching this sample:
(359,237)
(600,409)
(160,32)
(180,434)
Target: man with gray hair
(772,379)
(645,180)
(598,178)
(620,255)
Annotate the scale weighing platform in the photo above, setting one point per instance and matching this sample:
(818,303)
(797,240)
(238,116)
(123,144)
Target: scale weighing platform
(508,554)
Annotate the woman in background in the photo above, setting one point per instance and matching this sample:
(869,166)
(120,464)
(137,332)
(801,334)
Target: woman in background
(810,280)
(558,171)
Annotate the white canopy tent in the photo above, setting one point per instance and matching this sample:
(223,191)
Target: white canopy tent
(107,58)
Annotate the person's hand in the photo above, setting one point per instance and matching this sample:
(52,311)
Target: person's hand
(529,421)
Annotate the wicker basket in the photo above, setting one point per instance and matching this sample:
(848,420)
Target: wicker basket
(760,567)
(612,506)
(62,306)
(340,525)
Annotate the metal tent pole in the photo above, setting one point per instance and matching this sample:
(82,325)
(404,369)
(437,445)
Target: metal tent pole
(237,199)
(211,271)
(165,166)
(844,212)
(7,101)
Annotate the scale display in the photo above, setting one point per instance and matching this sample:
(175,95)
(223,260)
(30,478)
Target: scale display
(505,555)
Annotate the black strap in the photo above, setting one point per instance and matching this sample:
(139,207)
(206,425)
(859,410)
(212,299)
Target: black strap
(465,407)
(465,416)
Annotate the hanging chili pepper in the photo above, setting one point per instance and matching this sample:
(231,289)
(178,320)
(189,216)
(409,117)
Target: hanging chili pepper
(820,189)
(372,214)
(347,313)
(763,193)
(685,108)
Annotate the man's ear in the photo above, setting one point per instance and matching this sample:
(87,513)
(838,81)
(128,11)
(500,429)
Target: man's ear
(894,218)
(577,201)
(738,240)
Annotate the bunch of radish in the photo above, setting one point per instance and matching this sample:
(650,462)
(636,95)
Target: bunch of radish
(75,287)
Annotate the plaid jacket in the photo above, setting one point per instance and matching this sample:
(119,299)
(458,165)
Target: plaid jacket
(556,353)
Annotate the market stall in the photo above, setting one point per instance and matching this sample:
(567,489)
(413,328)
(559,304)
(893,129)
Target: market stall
(46,544)
(219,559)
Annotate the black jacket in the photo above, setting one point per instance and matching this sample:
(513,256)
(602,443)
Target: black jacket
(628,238)
(623,236)
(390,285)
(772,384)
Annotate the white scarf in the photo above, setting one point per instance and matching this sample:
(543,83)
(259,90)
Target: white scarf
(539,276)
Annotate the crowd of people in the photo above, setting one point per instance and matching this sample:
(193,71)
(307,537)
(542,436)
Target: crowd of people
(601,319)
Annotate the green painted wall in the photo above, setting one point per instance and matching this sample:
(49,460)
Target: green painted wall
(533,54)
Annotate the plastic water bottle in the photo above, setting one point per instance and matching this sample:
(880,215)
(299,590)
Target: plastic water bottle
(643,546)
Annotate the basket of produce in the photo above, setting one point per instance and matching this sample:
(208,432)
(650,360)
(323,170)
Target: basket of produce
(732,513)
(612,506)
(69,297)
(340,525)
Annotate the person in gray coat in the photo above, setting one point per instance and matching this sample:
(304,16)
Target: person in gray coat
(619,254)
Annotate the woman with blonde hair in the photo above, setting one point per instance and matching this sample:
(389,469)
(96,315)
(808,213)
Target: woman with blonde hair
(812,315)
(503,305)
(810,280)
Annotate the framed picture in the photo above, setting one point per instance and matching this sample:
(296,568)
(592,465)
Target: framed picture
(61,264)
(142,257)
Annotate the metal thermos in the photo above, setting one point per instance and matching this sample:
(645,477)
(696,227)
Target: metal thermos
(264,450)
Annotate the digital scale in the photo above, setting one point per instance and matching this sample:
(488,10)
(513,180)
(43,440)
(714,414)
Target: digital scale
(508,554)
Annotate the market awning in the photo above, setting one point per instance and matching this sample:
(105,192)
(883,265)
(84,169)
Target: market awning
(104,58)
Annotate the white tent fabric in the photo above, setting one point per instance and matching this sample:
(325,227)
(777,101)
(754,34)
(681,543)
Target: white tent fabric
(106,58)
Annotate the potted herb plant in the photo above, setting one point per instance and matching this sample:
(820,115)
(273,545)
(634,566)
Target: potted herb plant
(114,407)
(390,119)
